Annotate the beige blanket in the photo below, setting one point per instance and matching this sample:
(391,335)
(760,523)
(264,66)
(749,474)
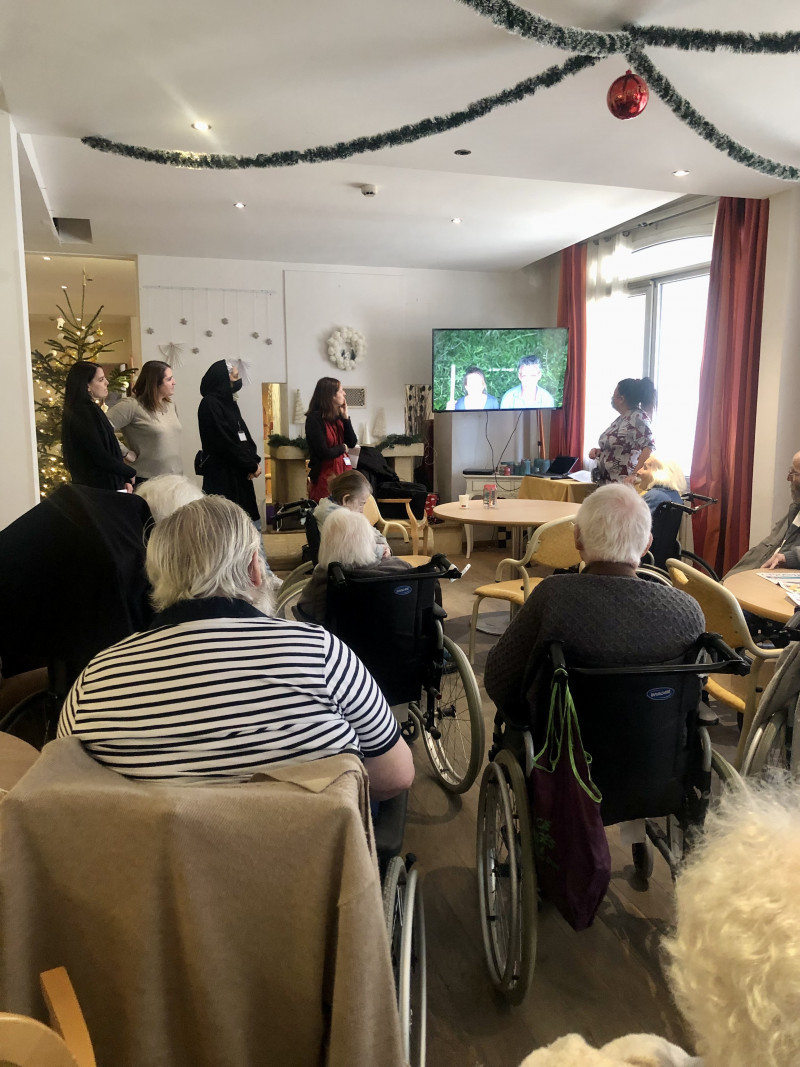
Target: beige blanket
(202,926)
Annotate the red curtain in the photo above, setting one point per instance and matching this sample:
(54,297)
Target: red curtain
(566,425)
(722,463)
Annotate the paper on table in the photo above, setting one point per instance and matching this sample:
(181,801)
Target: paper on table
(779,577)
(792,590)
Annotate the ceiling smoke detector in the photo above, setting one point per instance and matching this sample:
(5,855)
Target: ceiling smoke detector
(369,190)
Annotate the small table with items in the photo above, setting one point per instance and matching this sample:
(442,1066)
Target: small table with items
(519,515)
(534,488)
(762,596)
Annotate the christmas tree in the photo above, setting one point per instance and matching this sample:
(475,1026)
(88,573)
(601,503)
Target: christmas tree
(77,339)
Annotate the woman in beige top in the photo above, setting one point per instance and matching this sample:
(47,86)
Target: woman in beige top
(149,423)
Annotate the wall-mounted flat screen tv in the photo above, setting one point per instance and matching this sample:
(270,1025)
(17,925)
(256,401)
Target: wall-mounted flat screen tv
(505,369)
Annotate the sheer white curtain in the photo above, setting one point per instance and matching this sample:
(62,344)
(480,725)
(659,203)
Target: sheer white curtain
(615,324)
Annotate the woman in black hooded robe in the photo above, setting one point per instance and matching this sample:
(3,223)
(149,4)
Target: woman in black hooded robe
(230,460)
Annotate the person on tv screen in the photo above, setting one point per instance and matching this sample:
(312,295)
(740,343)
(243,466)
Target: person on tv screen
(476,397)
(528,393)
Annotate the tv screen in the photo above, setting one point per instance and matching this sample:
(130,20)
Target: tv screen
(506,369)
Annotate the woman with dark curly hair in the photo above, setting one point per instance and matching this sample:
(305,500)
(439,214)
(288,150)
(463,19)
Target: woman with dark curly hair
(625,445)
(91,451)
(330,434)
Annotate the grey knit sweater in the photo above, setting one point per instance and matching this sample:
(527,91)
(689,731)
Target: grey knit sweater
(602,620)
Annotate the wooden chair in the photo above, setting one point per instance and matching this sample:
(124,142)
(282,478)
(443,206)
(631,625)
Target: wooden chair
(724,616)
(26,1042)
(552,545)
(409,525)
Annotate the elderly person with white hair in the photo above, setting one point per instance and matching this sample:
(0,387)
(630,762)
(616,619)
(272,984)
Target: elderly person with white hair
(735,955)
(603,616)
(346,538)
(216,689)
(166,493)
(660,481)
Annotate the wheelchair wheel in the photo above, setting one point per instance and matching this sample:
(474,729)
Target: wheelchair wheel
(452,721)
(771,748)
(405,925)
(288,596)
(507,894)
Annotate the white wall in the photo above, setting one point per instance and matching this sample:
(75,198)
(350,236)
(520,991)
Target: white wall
(395,309)
(19,478)
(777,424)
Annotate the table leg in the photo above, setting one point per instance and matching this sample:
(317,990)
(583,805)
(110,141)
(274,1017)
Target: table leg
(468,528)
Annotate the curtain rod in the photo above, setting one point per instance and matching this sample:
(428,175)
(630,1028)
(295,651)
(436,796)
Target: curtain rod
(653,218)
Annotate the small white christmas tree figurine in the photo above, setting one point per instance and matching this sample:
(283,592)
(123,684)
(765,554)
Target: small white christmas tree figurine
(379,425)
(299,408)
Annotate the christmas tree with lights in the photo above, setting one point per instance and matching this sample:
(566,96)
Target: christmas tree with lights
(78,338)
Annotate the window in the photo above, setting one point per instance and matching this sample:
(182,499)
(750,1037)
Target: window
(646,317)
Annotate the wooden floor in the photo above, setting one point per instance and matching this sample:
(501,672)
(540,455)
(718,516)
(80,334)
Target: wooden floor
(602,982)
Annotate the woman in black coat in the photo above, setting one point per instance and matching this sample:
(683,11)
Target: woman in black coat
(91,451)
(230,460)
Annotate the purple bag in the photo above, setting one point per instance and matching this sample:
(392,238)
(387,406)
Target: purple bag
(573,862)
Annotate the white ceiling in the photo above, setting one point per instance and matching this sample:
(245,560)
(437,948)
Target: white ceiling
(283,74)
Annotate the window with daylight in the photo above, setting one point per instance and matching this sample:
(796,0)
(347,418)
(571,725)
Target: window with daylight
(646,311)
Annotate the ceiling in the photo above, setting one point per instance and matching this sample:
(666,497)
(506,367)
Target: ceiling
(280,74)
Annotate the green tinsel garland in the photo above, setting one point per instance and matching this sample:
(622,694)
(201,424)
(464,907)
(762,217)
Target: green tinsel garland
(392,439)
(664,89)
(524,23)
(592,46)
(345,149)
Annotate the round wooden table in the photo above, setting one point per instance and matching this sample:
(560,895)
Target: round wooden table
(516,514)
(761,596)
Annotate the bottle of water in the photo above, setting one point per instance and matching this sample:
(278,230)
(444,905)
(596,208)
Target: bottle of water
(490,495)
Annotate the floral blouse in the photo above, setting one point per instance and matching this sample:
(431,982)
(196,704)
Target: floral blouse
(621,445)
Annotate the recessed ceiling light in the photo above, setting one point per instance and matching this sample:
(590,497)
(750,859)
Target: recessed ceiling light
(463,152)
(240,205)
(47,258)
(680,173)
(457,221)
(203,127)
(63,287)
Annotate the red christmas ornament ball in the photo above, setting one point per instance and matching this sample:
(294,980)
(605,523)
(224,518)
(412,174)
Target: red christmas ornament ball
(627,96)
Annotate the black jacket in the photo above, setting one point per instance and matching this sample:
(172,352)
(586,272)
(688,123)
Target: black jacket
(318,448)
(227,458)
(91,451)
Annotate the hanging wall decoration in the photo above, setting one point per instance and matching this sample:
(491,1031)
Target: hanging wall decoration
(172,353)
(346,347)
(590,47)
(627,96)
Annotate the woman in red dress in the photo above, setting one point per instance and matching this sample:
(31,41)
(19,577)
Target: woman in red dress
(329,433)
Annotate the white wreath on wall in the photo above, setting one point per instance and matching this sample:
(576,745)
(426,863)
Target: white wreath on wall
(346,347)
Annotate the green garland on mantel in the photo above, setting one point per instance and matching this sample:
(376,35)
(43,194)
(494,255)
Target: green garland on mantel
(591,45)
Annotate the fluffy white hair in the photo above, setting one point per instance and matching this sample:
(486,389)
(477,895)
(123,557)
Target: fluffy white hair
(205,549)
(667,472)
(735,959)
(347,538)
(613,525)
(166,493)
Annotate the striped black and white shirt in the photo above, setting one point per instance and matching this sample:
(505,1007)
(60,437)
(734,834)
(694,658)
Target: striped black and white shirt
(217,690)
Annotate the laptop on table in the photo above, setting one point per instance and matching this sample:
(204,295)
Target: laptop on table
(559,468)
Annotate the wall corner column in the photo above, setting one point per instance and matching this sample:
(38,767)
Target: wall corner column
(19,477)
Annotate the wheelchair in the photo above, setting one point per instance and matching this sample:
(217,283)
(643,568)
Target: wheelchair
(667,520)
(769,747)
(404,914)
(394,626)
(295,582)
(650,759)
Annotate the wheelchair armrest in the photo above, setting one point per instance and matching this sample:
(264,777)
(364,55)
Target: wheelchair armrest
(728,661)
